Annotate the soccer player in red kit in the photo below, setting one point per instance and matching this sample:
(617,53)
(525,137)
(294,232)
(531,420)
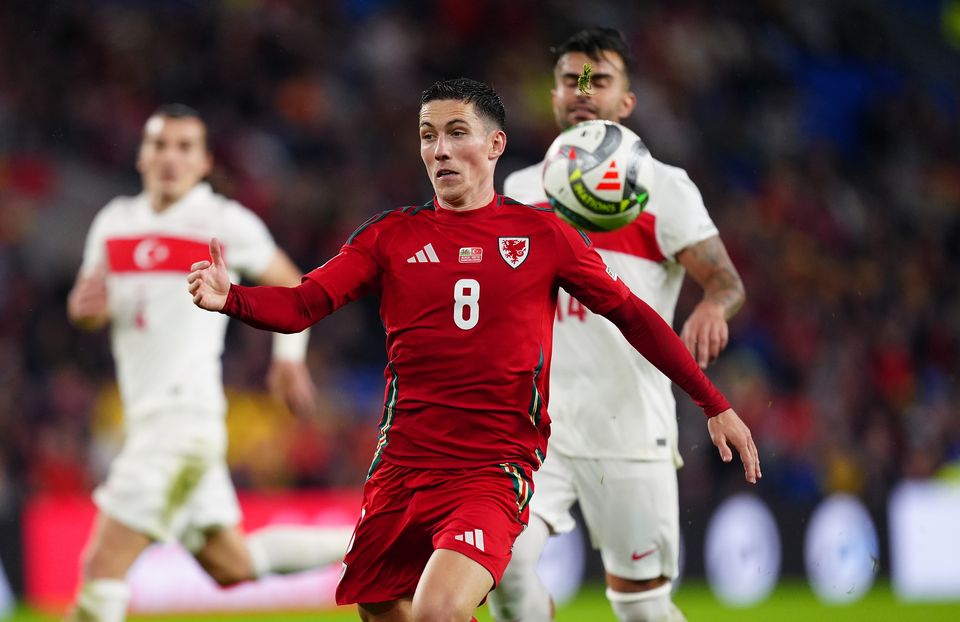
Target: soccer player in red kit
(468,288)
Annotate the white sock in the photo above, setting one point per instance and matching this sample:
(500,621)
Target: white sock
(647,606)
(284,549)
(521,595)
(102,600)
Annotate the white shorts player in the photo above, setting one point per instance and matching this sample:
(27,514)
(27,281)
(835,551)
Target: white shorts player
(613,444)
(170,480)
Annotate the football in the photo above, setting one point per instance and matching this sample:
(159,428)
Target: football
(597,175)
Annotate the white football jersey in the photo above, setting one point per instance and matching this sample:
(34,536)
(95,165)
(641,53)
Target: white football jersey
(606,400)
(167,350)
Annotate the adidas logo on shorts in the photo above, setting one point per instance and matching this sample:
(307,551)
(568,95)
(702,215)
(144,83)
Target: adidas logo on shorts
(474,538)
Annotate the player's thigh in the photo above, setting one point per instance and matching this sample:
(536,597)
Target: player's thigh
(213,507)
(554,493)
(452,583)
(157,473)
(399,610)
(111,549)
(632,513)
(481,512)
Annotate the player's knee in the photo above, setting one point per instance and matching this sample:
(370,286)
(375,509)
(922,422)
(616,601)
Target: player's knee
(227,577)
(652,605)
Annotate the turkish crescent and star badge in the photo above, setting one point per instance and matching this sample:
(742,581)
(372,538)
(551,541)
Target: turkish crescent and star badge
(514,250)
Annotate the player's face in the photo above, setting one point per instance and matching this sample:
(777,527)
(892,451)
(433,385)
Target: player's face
(460,152)
(610,100)
(173,157)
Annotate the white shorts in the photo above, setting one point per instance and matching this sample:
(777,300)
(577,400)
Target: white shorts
(630,507)
(170,480)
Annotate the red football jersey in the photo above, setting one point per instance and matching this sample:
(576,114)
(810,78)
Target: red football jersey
(468,301)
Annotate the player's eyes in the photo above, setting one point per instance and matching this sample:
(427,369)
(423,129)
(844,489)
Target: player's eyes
(426,136)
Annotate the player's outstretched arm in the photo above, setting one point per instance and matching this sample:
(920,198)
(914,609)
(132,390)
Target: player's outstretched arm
(728,429)
(655,340)
(208,281)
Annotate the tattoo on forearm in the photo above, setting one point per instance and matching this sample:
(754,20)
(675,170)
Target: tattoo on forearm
(710,265)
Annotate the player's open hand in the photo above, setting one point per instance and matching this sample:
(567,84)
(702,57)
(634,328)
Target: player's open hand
(728,429)
(208,281)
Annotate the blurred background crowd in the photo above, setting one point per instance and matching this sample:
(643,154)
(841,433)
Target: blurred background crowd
(824,136)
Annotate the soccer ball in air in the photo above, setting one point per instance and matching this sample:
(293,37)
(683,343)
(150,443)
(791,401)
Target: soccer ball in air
(597,175)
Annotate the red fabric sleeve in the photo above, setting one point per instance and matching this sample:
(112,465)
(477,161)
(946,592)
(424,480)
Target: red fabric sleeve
(655,340)
(280,309)
(583,273)
(346,277)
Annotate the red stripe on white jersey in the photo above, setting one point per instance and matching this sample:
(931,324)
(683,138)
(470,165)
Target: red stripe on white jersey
(155,254)
(639,238)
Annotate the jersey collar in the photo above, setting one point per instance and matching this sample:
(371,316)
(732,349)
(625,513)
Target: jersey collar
(486,211)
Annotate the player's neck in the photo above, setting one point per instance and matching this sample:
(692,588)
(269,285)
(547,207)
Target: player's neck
(469,201)
(161,202)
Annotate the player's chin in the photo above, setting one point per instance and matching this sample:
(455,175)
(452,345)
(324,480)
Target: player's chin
(580,116)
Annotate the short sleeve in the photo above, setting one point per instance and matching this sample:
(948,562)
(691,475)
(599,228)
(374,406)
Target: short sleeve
(682,218)
(583,273)
(248,246)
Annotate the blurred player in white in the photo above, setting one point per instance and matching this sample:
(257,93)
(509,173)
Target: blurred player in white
(613,445)
(170,481)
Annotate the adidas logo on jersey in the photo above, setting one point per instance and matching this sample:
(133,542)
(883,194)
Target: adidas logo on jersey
(425,255)
(474,538)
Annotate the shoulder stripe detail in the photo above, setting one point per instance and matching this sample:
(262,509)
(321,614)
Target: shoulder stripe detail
(539,208)
(370,221)
(411,210)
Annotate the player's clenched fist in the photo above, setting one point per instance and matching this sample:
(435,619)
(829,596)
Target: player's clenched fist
(208,281)
(87,305)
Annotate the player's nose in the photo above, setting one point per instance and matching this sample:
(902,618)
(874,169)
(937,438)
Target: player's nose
(440,151)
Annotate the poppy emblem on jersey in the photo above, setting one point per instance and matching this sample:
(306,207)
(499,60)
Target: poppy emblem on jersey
(514,250)
(471,254)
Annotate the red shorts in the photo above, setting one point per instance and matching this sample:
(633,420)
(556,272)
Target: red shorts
(408,513)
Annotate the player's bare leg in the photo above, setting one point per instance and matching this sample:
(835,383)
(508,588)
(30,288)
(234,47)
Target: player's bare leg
(451,588)
(108,556)
(229,557)
(225,557)
(642,601)
(400,610)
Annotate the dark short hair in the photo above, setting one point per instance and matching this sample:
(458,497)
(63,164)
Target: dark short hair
(182,111)
(177,111)
(485,100)
(593,41)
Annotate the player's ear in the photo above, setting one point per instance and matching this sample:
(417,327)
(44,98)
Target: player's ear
(498,144)
(628,101)
(208,165)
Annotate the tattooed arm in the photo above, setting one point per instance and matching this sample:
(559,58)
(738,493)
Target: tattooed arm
(705,332)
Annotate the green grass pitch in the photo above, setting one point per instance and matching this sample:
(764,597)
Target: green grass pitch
(791,602)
